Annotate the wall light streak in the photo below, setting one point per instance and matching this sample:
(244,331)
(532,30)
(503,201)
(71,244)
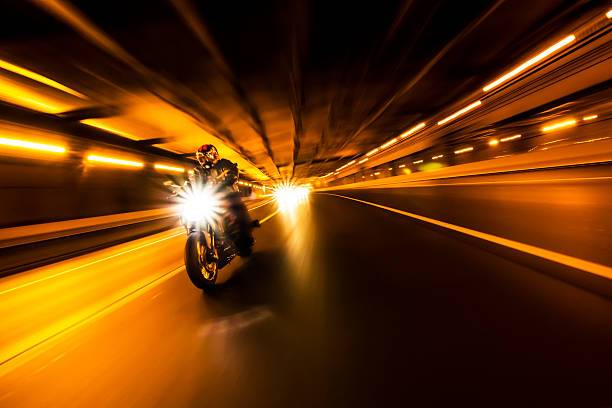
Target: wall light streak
(460,112)
(401,166)
(38,78)
(464,150)
(493,142)
(589,117)
(509,138)
(362,161)
(371,152)
(25,144)
(417,162)
(437,157)
(159,166)
(412,130)
(112,160)
(530,62)
(389,143)
(559,125)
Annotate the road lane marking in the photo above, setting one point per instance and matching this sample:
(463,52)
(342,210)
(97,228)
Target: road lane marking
(587,266)
(261,205)
(103,311)
(269,216)
(46,278)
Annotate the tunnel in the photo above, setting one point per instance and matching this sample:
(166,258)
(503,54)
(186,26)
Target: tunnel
(305,203)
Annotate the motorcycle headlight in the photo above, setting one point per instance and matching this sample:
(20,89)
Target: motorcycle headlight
(199,205)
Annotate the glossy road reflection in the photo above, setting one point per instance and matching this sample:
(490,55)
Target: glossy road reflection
(343,304)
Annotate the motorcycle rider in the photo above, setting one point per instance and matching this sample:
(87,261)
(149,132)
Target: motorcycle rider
(225,175)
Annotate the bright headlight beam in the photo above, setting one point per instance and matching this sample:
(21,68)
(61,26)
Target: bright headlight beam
(609,13)
(39,78)
(112,160)
(159,166)
(25,144)
(412,130)
(559,125)
(460,112)
(529,63)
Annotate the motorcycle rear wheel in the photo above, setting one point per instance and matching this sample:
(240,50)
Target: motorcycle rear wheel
(201,262)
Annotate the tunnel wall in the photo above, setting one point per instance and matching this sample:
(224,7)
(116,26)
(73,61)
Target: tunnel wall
(36,191)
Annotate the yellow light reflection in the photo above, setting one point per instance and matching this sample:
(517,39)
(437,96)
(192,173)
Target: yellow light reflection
(493,142)
(97,124)
(159,166)
(25,144)
(38,78)
(114,161)
(559,125)
(460,112)
(530,62)
(17,94)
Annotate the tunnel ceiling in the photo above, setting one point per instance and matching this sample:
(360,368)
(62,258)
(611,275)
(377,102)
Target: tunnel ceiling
(287,88)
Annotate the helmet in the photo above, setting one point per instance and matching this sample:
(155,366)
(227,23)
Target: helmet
(207,154)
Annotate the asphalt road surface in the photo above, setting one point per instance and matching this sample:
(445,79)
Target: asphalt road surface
(343,304)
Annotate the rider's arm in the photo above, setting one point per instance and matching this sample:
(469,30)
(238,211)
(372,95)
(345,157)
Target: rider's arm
(231,171)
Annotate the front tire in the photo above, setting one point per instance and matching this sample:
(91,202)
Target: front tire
(201,263)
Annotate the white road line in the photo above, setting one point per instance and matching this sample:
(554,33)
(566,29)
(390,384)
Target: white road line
(587,266)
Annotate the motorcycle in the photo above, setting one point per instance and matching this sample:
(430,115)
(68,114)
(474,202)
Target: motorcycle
(209,226)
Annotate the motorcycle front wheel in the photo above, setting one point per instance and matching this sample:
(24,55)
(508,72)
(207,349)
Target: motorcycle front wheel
(201,262)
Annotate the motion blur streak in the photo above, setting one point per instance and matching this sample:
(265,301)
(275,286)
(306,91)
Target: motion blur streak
(24,144)
(39,78)
(113,161)
(559,125)
(530,62)
(509,138)
(159,166)
(464,150)
(412,130)
(460,112)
